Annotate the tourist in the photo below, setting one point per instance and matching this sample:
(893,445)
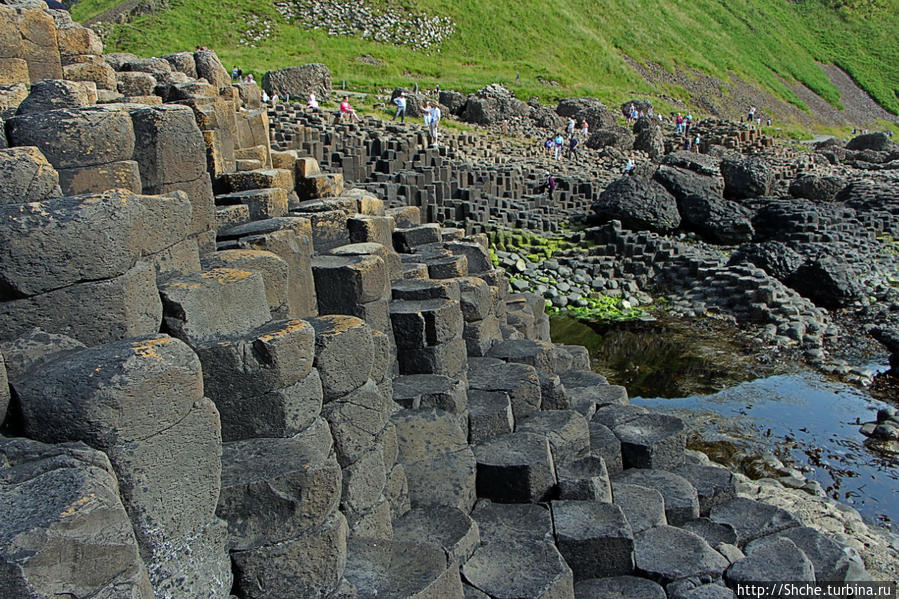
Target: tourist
(751,113)
(400,102)
(312,103)
(265,97)
(250,78)
(432,120)
(688,123)
(347,112)
(678,124)
(696,142)
(571,125)
(584,129)
(634,114)
(629,166)
(558,142)
(572,146)
(549,185)
(235,73)
(548,145)
(437,90)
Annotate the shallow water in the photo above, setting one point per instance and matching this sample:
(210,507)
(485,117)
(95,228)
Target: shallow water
(809,419)
(736,406)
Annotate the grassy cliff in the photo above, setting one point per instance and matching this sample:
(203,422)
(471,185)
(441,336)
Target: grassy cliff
(581,45)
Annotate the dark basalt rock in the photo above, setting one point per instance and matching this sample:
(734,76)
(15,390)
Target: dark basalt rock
(747,178)
(639,204)
(775,258)
(816,187)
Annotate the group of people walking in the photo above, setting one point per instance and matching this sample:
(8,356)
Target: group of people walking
(569,141)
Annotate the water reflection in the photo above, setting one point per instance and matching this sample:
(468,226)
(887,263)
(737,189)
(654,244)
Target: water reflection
(705,373)
(807,419)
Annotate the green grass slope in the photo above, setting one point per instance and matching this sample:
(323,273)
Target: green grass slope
(578,43)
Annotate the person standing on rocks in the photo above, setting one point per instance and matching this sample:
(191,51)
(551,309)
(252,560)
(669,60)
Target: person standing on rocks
(558,142)
(312,103)
(549,185)
(346,111)
(584,129)
(432,119)
(572,146)
(696,143)
(400,102)
(629,166)
(571,125)
(751,113)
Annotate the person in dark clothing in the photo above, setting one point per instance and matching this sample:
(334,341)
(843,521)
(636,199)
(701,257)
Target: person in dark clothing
(572,146)
(549,185)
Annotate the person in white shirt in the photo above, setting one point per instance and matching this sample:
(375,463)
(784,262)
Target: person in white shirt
(400,102)
(432,119)
(312,103)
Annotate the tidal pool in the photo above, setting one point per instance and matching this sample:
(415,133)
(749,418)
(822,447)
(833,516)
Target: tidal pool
(737,406)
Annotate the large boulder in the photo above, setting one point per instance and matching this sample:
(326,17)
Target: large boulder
(681,182)
(620,138)
(649,137)
(822,188)
(828,282)
(546,118)
(208,66)
(878,142)
(747,178)
(716,219)
(300,81)
(775,258)
(453,100)
(639,203)
(492,105)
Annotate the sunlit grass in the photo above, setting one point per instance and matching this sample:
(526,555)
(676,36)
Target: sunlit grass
(576,43)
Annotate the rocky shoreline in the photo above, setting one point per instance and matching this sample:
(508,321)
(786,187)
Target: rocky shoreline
(257,353)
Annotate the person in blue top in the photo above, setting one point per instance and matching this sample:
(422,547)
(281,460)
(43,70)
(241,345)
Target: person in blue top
(400,102)
(559,142)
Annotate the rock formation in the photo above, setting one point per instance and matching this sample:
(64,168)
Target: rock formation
(225,370)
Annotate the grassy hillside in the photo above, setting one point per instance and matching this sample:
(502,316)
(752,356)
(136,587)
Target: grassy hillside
(577,43)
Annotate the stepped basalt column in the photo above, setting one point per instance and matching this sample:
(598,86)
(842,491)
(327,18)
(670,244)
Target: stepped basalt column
(167,456)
